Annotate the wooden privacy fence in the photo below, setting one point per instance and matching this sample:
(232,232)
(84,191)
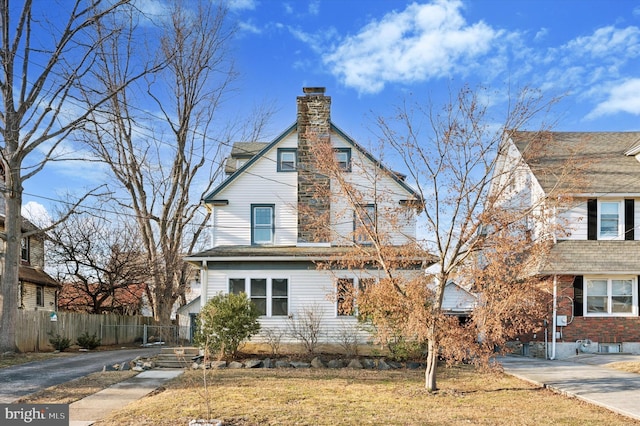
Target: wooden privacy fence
(35,328)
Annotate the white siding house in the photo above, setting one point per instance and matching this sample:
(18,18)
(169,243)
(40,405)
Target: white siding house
(262,243)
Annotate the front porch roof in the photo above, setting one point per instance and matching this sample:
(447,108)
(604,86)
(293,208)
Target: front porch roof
(579,257)
(291,253)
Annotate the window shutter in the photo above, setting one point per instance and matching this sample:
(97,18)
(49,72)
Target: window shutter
(629,225)
(638,293)
(592,219)
(578,284)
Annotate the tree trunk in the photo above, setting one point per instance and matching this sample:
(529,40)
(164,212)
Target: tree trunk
(10,280)
(432,366)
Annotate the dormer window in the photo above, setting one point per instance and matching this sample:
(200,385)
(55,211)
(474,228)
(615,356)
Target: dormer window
(343,158)
(287,159)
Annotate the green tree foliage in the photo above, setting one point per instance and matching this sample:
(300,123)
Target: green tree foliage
(225,322)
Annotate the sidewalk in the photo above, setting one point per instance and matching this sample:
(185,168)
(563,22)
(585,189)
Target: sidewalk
(94,407)
(583,377)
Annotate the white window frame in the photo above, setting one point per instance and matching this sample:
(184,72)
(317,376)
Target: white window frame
(356,282)
(269,293)
(287,160)
(619,233)
(609,279)
(261,226)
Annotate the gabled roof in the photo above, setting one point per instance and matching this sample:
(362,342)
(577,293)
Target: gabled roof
(266,147)
(603,159)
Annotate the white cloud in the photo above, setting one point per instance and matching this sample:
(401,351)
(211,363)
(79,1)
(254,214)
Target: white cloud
(607,42)
(248,27)
(623,97)
(37,214)
(242,4)
(423,41)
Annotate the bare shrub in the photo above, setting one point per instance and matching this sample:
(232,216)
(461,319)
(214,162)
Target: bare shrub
(306,327)
(273,336)
(348,338)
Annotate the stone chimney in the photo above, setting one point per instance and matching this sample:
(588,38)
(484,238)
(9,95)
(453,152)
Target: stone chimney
(314,126)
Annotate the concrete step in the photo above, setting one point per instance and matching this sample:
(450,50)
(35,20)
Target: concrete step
(180,351)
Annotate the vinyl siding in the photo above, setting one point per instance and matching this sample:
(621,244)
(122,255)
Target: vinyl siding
(575,220)
(259,184)
(307,288)
(29,298)
(393,219)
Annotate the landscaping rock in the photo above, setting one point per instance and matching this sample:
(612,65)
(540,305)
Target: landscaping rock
(368,363)
(267,363)
(382,365)
(355,364)
(218,364)
(335,363)
(235,364)
(411,365)
(395,365)
(283,364)
(253,363)
(299,364)
(317,363)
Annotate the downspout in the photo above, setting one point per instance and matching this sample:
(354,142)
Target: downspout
(553,320)
(204,280)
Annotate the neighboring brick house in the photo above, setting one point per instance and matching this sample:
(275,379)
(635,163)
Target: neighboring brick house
(38,291)
(264,243)
(595,263)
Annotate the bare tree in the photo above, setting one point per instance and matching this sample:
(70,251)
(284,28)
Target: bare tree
(41,107)
(450,156)
(163,163)
(100,264)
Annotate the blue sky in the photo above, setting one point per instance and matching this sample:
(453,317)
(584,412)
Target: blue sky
(371,54)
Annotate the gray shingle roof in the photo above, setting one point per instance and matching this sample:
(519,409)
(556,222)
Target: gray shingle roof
(245,150)
(304,253)
(593,257)
(600,156)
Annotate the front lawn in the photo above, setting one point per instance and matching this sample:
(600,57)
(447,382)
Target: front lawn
(359,397)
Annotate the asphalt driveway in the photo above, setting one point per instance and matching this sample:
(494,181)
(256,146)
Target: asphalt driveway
(24,379)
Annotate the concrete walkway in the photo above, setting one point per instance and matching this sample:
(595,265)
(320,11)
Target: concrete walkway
(94,407)
(585,377)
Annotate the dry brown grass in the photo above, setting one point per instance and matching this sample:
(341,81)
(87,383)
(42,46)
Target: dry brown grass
(74,390)
(629,366)
(360,397)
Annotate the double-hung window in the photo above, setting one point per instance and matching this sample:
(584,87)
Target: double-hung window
(287,159)
(24,249)
(270,295)
(259,294)
(615,296)
(237,286)
(345,296)
(40,296)
(343,158)
(609,219)
(279,297)
(364,223)
(262,224)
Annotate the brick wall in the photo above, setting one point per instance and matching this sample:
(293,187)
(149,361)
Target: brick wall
(597,329)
